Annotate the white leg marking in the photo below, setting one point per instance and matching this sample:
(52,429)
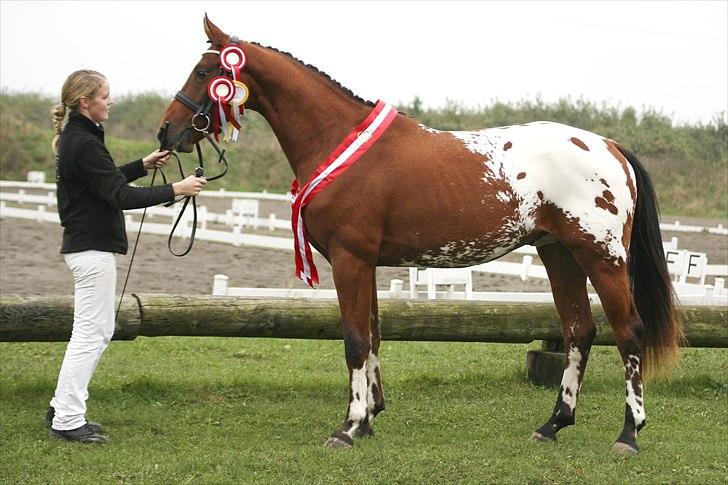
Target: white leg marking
(570,381)
(372,367)
(358,404)
(635,402)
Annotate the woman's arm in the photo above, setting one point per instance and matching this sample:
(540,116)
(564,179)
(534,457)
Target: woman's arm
(134,170)
(138,168)
(110,182)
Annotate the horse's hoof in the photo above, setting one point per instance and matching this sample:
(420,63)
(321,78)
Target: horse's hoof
(339,440)
(624,449)
(364,431)
(536,436)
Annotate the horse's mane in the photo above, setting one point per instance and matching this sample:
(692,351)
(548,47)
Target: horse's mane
(319,72)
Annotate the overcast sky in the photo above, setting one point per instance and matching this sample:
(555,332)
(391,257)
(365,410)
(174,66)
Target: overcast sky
(672,56)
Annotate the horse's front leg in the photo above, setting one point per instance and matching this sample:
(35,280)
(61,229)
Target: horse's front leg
(353,279)
(375,392)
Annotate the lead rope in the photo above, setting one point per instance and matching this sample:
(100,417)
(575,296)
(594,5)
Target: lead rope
(199,171)
(163,139)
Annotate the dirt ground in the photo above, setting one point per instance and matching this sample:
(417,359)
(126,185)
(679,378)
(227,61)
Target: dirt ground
(31,264)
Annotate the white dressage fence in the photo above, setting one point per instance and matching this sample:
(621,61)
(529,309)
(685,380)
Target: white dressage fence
(688,294)
(35,179)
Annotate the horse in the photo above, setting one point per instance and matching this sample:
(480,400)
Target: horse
(423,197)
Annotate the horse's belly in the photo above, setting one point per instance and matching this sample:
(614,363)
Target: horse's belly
(454,252)
(454,255)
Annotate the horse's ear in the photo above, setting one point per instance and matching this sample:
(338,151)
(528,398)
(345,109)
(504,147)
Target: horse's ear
(214,34)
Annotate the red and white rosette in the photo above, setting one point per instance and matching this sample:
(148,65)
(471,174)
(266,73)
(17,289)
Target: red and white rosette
(221,91)
(233,59)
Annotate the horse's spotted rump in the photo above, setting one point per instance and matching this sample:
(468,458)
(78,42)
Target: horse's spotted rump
(538,169)
(579,143)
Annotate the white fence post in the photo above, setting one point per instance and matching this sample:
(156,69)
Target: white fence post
(36,176)
(219,285)
(203,217)
(236,236)
(413,282)
(527,261)
(395,287)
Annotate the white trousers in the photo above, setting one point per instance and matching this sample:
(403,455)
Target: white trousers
(94,276)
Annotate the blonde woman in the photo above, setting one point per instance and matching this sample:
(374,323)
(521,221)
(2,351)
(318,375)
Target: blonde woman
(92,192)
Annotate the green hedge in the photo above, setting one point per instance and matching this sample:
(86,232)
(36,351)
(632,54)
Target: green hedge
(688,162)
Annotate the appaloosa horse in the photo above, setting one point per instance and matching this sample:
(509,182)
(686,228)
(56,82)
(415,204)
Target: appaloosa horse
(417,196)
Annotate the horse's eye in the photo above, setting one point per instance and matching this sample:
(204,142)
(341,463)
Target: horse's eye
(201,74)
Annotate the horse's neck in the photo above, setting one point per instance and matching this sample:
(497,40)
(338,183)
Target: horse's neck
(307,112)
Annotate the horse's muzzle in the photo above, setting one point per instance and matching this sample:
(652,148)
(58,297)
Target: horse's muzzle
(162,135)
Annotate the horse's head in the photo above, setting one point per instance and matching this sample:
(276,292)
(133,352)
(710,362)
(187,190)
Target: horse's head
(186,113)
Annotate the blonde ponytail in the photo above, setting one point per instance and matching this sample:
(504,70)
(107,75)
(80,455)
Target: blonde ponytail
(83,83)
(59,115)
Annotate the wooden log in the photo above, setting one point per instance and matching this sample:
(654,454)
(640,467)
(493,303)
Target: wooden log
(49,318)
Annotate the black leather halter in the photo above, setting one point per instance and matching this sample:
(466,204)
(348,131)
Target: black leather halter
(201,110)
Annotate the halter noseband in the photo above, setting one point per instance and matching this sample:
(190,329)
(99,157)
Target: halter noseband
(200,109)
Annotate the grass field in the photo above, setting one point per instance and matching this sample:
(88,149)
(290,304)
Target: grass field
(233,410)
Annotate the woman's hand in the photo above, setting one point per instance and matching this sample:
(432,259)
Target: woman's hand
(190,186)
(156,159)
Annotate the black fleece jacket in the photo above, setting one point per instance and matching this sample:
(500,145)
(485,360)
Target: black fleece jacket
(92,191)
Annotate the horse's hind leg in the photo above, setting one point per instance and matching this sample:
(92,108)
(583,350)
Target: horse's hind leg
(568,284)
(353,279)
(611,281)
(612,286)
(375,393)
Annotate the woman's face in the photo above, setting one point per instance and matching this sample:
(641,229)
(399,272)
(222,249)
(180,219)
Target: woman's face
(98,106)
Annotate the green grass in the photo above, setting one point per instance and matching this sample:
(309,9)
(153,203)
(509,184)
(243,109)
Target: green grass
(221,410)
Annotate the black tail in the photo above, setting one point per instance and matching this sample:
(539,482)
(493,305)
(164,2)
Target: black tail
(652,289)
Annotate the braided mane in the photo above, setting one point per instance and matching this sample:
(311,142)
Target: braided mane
(319,72)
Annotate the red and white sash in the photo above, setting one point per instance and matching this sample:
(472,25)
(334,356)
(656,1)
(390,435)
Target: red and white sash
(349,150)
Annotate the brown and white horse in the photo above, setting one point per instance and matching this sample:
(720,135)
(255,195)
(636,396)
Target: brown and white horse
(424,197)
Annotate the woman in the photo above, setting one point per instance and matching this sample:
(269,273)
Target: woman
(91,193)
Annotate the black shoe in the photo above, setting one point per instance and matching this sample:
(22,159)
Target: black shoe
(50,413)
(84,434)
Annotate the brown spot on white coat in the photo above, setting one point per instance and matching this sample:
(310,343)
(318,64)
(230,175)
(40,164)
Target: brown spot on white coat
(579,143)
